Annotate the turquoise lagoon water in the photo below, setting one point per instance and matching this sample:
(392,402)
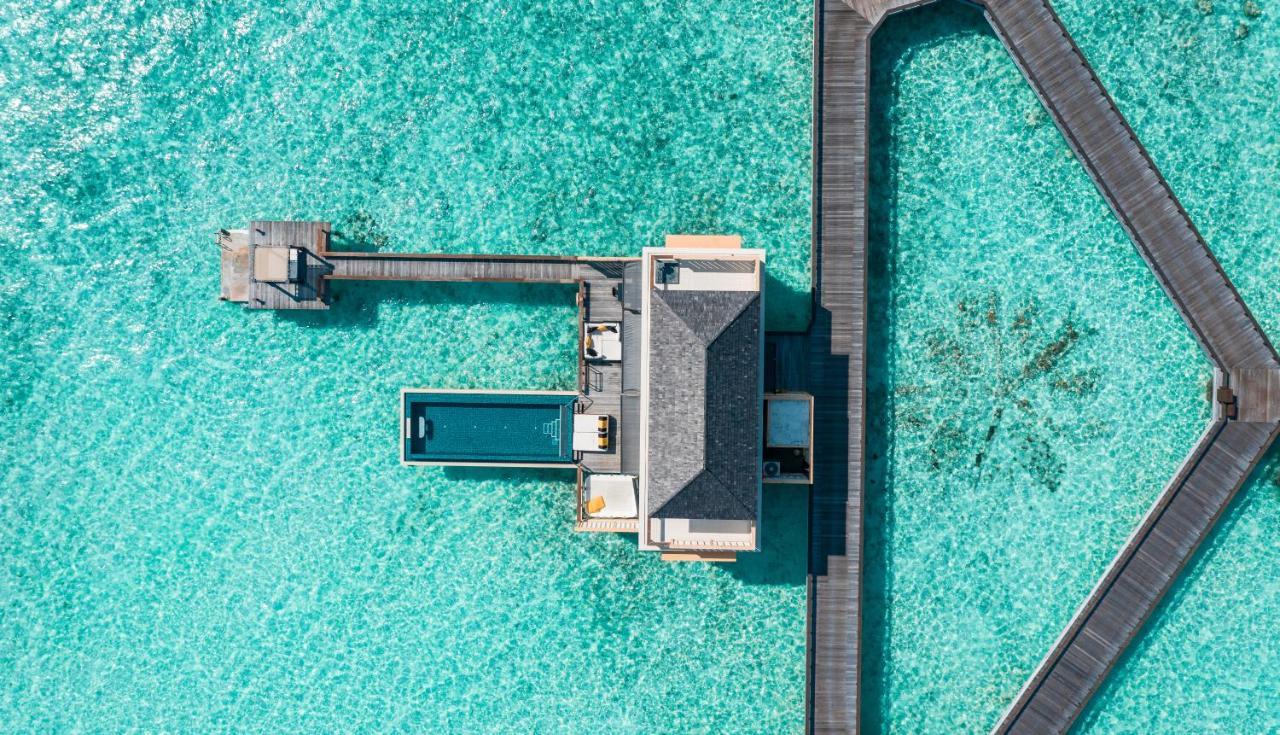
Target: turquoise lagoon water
(1032,388)
(1209,655)
(203,522)
(1203,101)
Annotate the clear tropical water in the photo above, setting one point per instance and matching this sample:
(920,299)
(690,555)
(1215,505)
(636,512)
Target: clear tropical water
(203,523)
(1202,98)
(1032,388)
(1209,656)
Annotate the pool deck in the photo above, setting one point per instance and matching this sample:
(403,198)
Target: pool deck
(1246,414)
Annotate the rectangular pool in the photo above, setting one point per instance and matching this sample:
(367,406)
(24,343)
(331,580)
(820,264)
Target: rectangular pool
(508,428)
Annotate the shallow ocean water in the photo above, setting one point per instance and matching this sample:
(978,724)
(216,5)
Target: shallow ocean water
(203,523)
(202,520)
(1202,99)
(1032,389)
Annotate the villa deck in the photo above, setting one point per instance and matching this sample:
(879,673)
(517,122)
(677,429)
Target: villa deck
(600,383)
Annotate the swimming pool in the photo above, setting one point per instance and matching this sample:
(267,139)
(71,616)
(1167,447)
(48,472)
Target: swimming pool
(495,428)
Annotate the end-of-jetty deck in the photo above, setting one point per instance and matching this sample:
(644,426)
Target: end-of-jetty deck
(308,289)
(1247,382)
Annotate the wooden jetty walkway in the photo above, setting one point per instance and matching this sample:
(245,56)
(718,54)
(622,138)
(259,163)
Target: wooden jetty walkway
(1247,386)
(1130,182)
(837,364)
(438,267)
(1248,371)
(288,265)
(837,346)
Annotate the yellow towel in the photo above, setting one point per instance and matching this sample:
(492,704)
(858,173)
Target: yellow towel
(595,505)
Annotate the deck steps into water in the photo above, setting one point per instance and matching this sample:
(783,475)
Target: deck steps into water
(235,265)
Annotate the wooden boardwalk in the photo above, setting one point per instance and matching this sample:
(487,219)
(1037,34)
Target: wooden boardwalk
(438,267)
(1185,512)
(1138,578)
(1187,509)
(1131,184)
(837,345)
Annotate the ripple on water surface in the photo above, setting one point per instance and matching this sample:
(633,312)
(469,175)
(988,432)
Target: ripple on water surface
(1032,389)
(204,525)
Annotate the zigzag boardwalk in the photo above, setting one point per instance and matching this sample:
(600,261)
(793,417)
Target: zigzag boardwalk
(1245,421)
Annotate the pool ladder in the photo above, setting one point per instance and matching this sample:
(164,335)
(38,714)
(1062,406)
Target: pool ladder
(552,429)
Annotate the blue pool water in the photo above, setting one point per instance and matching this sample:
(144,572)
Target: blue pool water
(498,428)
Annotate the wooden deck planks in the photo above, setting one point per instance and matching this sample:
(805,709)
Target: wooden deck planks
(1186,511)
(310,293)
(601,382)
(458,268)
(837,370)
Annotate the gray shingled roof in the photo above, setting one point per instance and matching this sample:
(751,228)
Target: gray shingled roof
(704,404)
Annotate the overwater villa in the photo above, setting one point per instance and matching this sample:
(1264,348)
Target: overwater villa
(670,431)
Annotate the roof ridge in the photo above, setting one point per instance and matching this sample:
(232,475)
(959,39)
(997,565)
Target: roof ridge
(684,320)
